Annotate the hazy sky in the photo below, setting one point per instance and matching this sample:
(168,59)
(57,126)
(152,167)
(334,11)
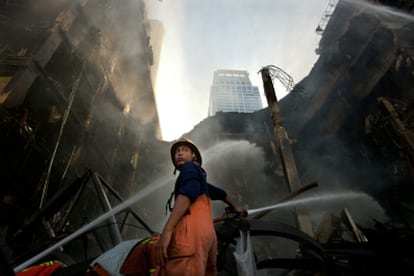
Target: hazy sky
(202,36)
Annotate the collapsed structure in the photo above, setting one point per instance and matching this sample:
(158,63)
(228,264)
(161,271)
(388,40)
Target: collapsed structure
(78,115)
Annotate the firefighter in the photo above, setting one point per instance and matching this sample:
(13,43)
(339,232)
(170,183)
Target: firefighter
(188,242)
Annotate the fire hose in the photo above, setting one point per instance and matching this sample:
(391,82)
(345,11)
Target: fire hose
(231,214)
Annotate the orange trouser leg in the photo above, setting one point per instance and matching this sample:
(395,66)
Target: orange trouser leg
(189,266)
(193,247)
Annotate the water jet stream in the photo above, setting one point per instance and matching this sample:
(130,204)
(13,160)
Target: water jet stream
(313,199)
(384,10)
(87,227)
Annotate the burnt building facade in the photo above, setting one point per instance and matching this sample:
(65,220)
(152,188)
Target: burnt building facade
(75,94)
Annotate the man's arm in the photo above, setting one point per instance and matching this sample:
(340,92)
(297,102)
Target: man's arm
(242,211)
(182,203)
(217,193)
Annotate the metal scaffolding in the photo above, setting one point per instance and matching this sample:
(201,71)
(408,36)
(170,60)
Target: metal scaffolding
(326,16)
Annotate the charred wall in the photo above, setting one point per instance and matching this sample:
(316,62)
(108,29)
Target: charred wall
(360,55)
(75,95)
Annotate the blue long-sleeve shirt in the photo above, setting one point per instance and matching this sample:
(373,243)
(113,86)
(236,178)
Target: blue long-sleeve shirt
(192,182)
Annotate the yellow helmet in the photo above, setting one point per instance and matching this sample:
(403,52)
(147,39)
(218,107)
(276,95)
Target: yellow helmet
(190,144)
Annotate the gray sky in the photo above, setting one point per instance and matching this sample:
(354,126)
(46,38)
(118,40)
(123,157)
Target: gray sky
(202,36)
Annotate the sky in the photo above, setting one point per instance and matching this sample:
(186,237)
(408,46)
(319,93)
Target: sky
(202,36)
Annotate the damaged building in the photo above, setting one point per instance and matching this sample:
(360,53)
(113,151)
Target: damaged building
(78,117)
(76,97)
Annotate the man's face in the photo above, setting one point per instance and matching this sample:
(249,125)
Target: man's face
(182,155)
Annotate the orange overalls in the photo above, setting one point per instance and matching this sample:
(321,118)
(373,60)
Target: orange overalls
(192,250)
(193,247)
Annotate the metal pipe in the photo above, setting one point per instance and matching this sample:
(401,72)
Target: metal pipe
(106,205)
(134,214)
(283,143)
(61,129)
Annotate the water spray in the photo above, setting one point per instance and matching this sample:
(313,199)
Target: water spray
(265,210)
(87,227)
(318,198)
(260,212)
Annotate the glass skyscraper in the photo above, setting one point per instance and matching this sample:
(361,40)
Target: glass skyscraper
(232,91)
